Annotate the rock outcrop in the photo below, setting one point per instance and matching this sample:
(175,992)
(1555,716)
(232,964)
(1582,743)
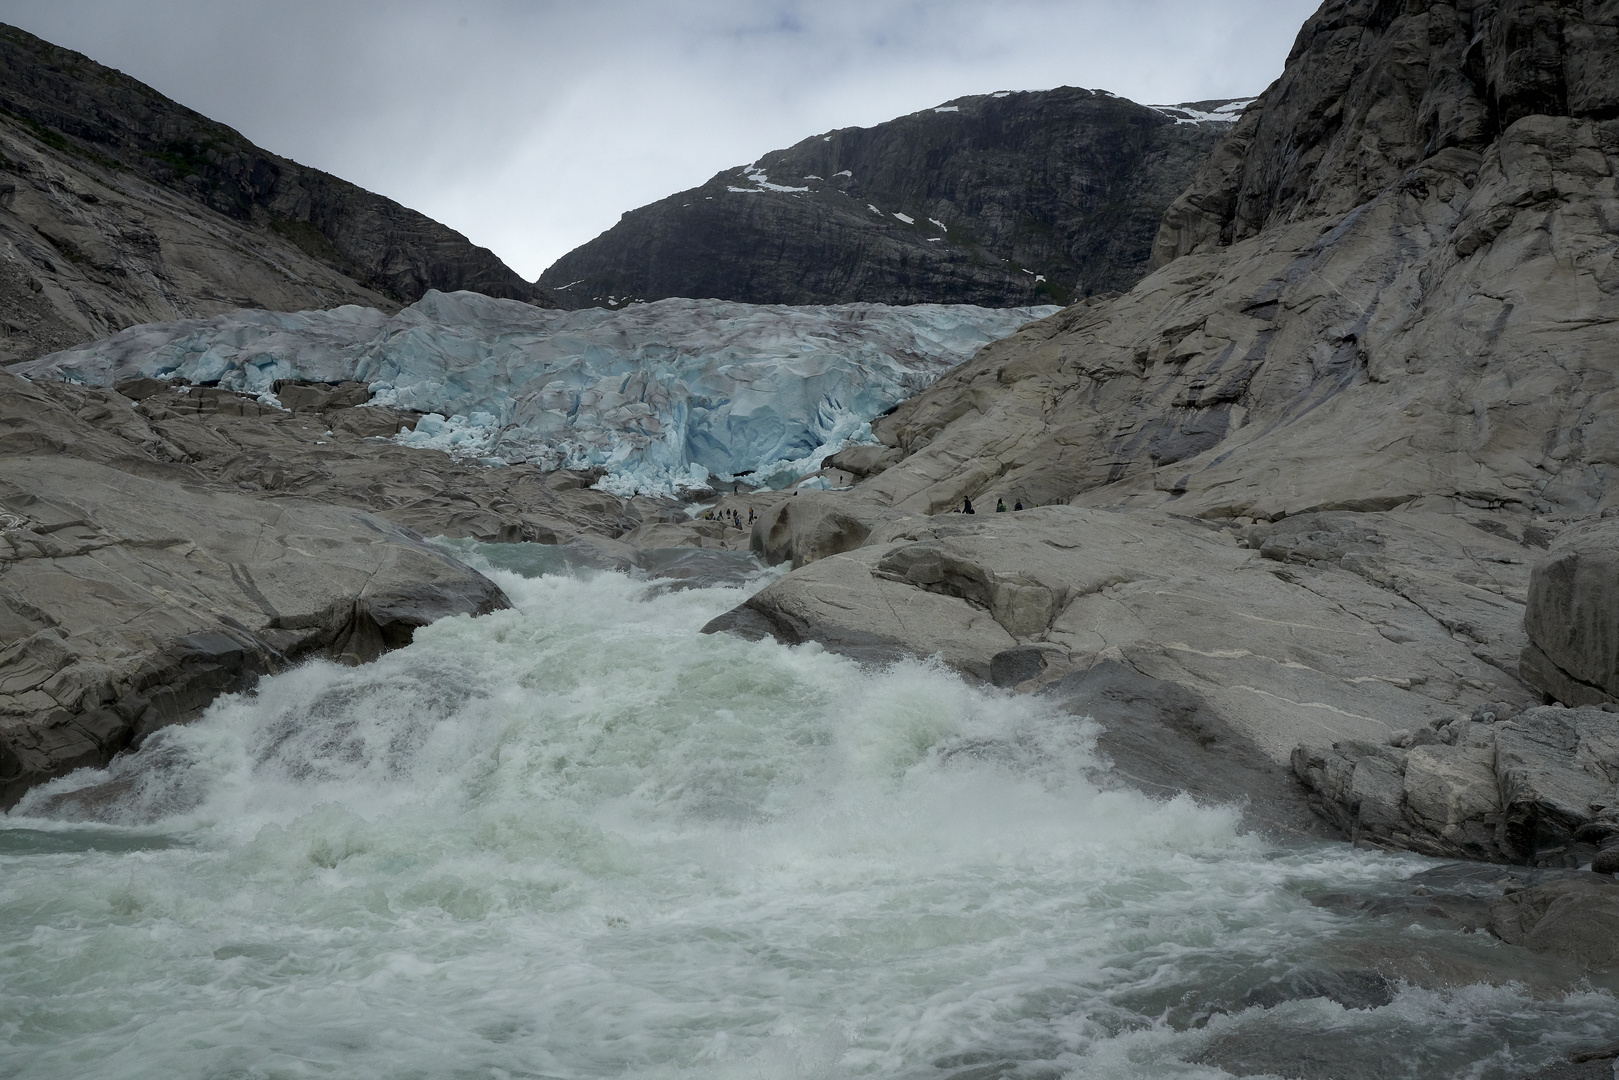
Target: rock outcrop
(324,450)
(1537,788)
(1572,618)
(119,206)
(1269,645)
(1001,200)
(133,591)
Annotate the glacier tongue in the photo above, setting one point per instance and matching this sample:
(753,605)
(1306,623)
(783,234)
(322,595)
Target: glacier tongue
(663,395)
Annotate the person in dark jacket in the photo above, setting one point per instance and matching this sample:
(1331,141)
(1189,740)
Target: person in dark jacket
(967,507)
(1000,506)
(1019,505)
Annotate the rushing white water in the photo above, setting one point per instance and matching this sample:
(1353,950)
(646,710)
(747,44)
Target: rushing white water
(579,839)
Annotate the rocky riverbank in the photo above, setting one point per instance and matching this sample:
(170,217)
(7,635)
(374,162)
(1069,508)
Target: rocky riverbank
(161,545)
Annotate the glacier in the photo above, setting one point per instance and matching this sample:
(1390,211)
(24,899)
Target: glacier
(664,396)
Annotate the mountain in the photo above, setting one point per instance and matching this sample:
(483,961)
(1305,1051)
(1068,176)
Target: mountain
(1004,199)
(119,206)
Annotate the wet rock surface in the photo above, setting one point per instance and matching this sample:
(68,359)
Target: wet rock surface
(1596,1063)
(1541,931)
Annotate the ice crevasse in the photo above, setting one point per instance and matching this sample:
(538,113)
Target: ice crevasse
(663,395)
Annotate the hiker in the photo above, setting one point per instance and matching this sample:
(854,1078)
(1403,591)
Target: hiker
(1019,506)
(967,507)
(1000,506)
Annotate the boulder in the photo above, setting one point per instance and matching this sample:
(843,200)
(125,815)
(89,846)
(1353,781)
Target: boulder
(1558,771)
(1572,617)
(807,527)
(863,461)
(1540,788)
(320,397)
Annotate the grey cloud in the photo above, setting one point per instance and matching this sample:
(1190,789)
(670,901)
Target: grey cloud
(531,125)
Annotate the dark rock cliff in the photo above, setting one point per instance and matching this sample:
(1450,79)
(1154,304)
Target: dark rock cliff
(1373,87)
(119,206)
(1006,199)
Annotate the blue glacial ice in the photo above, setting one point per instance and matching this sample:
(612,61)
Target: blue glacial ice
(664,396)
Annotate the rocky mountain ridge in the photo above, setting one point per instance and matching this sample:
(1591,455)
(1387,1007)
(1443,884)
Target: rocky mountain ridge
(1004,199)
(119,206)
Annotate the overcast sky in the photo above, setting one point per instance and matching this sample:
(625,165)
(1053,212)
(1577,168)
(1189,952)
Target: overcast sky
(530,126)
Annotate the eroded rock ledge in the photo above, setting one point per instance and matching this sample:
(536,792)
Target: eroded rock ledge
(133,590)
(1215,650)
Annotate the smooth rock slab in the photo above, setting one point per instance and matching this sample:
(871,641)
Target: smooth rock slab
(127,604)
(1277,654)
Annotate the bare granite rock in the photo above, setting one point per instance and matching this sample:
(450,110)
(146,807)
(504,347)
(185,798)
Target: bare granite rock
(325,450)
(132,592)
(1272,654)
(1396,280)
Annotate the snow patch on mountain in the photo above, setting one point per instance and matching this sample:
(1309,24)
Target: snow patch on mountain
(666,396)
(761,182)
(1228,113)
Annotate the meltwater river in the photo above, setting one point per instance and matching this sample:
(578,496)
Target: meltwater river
(579,839)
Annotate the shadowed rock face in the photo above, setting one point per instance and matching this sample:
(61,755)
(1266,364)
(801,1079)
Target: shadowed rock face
(119,206)
(1012,199)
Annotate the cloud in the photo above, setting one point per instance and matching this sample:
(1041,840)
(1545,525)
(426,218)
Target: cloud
(530,126)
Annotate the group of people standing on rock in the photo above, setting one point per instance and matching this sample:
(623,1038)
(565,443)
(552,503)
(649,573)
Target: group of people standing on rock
(1000,506)
(731,517)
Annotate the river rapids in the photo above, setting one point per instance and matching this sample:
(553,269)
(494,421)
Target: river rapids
(579,839)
